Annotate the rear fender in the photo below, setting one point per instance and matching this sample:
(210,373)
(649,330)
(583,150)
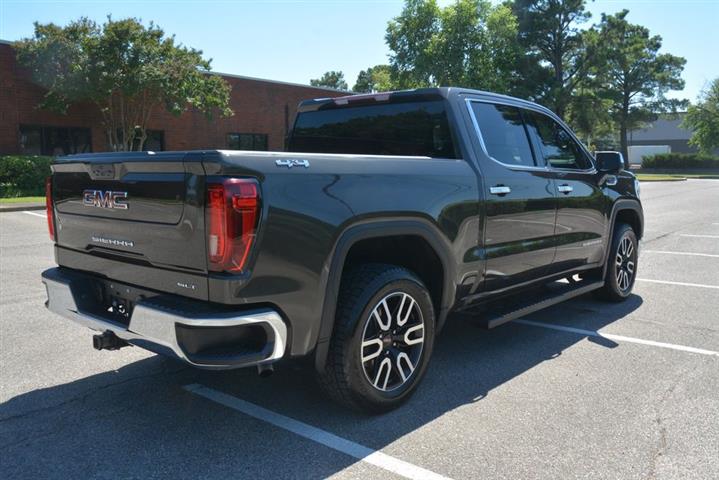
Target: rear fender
(377,229)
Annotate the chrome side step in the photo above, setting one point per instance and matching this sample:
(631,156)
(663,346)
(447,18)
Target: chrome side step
(557,292)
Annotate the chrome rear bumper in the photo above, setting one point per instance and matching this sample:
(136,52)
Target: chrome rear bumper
(163,328)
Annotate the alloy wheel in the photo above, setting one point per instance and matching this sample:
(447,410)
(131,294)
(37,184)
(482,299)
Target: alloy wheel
(625,263)
(392,341)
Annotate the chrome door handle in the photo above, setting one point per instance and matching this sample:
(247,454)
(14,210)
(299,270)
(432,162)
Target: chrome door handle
(565,188)
(499,190)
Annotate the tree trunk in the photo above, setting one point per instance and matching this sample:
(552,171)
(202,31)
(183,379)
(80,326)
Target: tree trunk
(142,139)
(623,141)
(624,119)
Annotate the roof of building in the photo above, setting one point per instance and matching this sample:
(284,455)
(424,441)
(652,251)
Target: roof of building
(662,129)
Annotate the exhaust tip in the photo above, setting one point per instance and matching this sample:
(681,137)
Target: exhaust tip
(265,371)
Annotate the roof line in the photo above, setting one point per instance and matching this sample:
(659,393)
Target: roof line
(255,79)
(280,82)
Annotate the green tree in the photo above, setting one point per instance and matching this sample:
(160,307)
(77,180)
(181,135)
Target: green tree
(126,69)
(588,114)
(374,79)
(409,37)
(469,43)
(703,120)
(556,59)
(635,77)
(331,79)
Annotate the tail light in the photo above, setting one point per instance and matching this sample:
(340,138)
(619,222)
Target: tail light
(48,207)
(233,213)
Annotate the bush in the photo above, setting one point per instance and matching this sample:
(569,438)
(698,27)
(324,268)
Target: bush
(680,160)
(23,175)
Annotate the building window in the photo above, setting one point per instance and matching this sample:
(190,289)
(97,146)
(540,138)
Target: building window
(40,140)
(155,141)
(247,141)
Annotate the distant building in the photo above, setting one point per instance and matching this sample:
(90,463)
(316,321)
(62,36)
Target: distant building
(264,110)
(663,131)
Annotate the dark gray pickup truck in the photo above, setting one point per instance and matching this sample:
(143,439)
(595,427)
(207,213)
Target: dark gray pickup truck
(388,213)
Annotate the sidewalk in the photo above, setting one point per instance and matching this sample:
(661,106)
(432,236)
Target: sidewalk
(17,207)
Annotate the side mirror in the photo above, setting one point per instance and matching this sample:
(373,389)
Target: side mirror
(610,162)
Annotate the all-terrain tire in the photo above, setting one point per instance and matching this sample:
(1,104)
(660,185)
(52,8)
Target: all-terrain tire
(359,334)
(621,269)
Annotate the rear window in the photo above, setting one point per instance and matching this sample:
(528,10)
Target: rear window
(414,128)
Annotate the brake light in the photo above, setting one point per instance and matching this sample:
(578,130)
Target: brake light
(48,207)
(233,213)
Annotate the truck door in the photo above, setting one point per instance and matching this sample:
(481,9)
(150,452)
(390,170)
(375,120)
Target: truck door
(581,205)
(521,198)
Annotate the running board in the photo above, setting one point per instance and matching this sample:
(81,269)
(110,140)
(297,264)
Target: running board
(557,292)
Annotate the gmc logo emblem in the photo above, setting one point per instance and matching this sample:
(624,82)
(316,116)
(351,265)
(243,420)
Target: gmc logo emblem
(105,199)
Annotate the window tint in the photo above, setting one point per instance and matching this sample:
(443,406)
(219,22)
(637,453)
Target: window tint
(37,140)
(558,147)
(412,128)
(247,141)
(503,133)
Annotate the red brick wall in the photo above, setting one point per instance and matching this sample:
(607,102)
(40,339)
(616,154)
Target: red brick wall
(259,107)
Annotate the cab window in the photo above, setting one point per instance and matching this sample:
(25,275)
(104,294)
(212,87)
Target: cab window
(556,145)
(503,134)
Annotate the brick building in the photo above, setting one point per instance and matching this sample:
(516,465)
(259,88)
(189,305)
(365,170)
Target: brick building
(264,110)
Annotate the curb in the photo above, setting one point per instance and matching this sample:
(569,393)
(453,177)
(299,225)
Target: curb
(664,180)
(21,207)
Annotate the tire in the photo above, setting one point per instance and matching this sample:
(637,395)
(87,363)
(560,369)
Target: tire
(373,297)
(622,264)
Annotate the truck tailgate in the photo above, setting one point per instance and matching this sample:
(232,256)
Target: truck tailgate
(138,209)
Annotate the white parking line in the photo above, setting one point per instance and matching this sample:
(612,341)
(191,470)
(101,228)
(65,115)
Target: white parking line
(683,284)
(35,214)
(360,452)
(619,338)
(681,253)
(698,236)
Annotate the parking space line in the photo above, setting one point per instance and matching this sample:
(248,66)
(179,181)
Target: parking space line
(35,214)
(683,284)
(619,338)
(698,236)
(681,253)
(323,437)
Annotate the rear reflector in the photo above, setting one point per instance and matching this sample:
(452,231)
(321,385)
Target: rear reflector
(48,207)
(233,212)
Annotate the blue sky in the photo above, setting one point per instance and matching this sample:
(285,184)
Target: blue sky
(295,40)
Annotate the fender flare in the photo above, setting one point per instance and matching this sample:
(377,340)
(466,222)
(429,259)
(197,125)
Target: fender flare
(377,229)
(622,205)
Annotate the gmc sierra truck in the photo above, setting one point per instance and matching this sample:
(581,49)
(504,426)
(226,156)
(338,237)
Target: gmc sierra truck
(388,213)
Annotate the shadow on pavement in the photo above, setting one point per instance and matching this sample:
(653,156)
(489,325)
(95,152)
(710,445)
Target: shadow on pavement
(139,422)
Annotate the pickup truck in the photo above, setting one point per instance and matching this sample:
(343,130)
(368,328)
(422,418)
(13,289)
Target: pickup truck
(388,214)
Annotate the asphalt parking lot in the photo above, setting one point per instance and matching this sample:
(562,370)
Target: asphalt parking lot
(547,397)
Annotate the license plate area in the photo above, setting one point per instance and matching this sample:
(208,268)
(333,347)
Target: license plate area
(109,300)
(120,309)
(119,301)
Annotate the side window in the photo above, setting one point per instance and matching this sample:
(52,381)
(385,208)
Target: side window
(557,146)
(503,134)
